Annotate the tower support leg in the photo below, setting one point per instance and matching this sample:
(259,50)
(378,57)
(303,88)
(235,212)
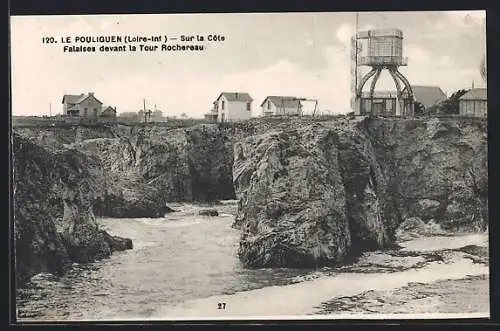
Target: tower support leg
(372,88)
(359,89)
(399,96)
(408,109)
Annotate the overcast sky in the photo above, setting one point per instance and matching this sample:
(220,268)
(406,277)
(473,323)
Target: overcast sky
(296,54)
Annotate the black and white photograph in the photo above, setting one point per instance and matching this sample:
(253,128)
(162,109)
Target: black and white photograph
(250,166)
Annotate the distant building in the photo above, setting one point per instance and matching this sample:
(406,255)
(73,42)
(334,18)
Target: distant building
(157,116)
(213,113)
(428,96)
(109,112)
(384,102)
(130,116)
(474,103)
(280,105)
(83,105)
(232,106)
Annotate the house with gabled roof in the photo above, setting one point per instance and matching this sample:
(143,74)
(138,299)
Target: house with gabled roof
(109,112)
(474,103)
(83,105)
(232,106)
(281,105)
(386,102)
(428,96)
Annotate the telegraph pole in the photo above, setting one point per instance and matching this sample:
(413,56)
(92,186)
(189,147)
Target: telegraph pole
(356,54)
(50,109)
(355,71)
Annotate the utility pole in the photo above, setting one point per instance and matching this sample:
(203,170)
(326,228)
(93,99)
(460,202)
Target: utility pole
(144,109)
(50,109)
(354,65)
(356,55)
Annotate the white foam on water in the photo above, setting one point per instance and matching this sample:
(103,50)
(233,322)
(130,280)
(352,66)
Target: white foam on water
(304,298)
(229,202)
(225,215)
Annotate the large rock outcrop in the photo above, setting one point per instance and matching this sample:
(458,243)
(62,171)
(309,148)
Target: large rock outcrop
(142,167)
(54,223)
(438,168)
(292,202)
(314,194)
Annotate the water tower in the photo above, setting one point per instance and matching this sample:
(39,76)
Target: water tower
(382,49)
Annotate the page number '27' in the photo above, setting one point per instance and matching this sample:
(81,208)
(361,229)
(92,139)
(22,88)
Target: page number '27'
(221,305)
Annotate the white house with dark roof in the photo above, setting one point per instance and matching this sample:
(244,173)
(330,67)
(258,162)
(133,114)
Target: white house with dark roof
(233,106)
(474,103)
(281,105)
(83,105)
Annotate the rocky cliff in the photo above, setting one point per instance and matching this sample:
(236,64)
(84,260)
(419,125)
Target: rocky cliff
(54,223)
(151,166)
(312,194)
(141,168)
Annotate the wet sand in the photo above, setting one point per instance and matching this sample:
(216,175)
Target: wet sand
(469,294)
(456,296)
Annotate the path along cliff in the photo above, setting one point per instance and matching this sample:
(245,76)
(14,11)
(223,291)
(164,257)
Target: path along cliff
(310,192)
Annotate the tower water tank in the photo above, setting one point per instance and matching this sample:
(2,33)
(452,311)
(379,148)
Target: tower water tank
(382,49)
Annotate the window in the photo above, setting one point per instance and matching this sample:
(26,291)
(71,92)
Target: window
(95,111)
(269,105)
(223,104)
(249,106)
(84,111)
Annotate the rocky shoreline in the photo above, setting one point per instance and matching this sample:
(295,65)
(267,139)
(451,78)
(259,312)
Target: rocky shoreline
(455,296)
(469,294)
(54,222)
(310,193)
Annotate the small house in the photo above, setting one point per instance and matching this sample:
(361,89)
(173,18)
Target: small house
(385,102)
(83,105)
(233,106)
(428,96)
(109,112)
(474,103)
(280,105)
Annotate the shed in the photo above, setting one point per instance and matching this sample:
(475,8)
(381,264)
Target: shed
(281,105)
(474,103)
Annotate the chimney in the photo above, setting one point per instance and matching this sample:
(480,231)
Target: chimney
(91,93)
